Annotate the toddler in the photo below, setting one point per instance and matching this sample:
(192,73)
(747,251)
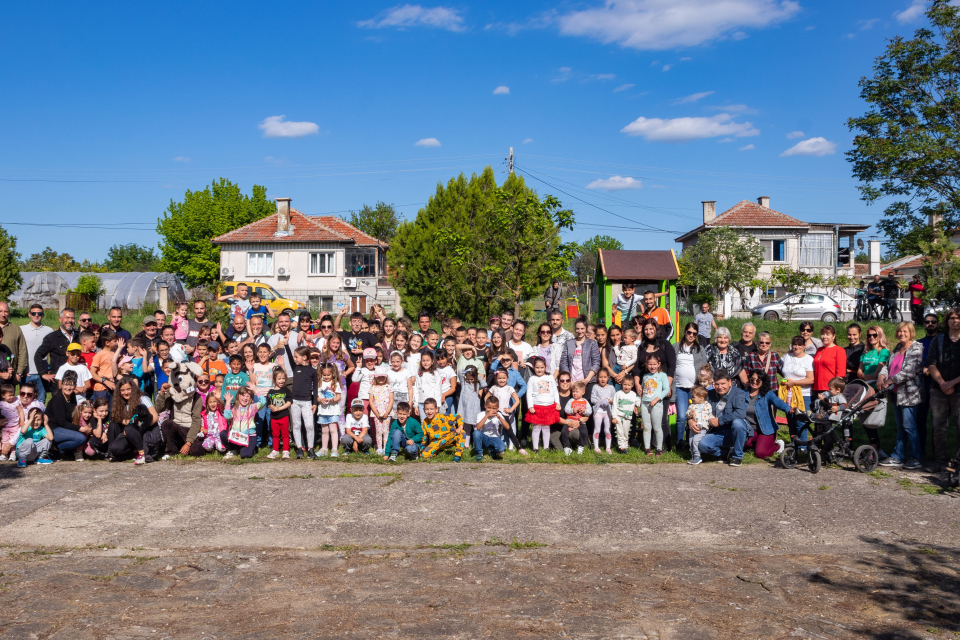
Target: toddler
(357,438)
(705,377)
(625,404)
(627,354)
(577,408)
(834,398)
(656,388)
(181,325)
(212,423)
(35,440)
(700,411)
(279,401)
(12,413)
(328,410)
(543,401)
(602,398)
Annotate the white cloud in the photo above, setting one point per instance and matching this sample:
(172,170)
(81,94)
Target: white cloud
(686,59)
(724,140)
(603,76)
(501,90)
(415,15)
(565,69)
(687,129)
(276,161)
(563,74)
(624,87)
(667,24)
(276,127)
(911,13)
(732,108)
(528,141)
(693,97)
(667,67)
(616,183)
(427,142)
(749,147)
(181,159)
(739,35)
(866,25)
(812,147)
(541,21)
(810,28)
(794,134)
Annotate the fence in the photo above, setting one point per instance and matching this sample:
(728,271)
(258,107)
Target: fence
(732,303)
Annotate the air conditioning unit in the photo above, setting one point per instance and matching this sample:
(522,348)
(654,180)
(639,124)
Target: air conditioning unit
(226,272)
(283,272)
(349,283)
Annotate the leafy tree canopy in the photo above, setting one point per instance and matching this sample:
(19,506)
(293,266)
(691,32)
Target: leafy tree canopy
(723,258)
(10,279)
(940,271)
(50,260)
(585,258)
(379,221)
(131,257)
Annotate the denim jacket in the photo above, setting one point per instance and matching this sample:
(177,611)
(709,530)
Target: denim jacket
(736,408)
(762,407)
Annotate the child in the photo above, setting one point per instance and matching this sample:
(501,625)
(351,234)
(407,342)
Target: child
(304,399)
(700,411)
(99,441)
(627,353)
(625,404)
(11,410)
(88,347)
(328,411)
(543,401)
(356,438)
(365,375)
(75,363)
(181,326)
(471,384)
(705,377)
(278,399)
(258,309)
(35,440)
(82,417)
(381,406)
(212,423)
(242,435)
(441,432)
(413,351)
(400,379)
(834,398)
(448,382)
(602,398)
(101,369)
(235,380)
(428,382)
(405,433)
(507,395)
(576,408)
(656,388)
(490,423)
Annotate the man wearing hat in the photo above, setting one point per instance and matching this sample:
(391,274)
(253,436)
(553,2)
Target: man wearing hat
(54,347)
(150,334)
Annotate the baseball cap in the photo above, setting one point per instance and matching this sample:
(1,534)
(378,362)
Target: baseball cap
(73,346)
(213,345)
(150,320)
(126,359)
(369,354)
(357,402)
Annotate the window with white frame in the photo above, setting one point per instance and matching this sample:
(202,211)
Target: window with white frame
(323,263)
(260,263)
(774,250)
(817,250)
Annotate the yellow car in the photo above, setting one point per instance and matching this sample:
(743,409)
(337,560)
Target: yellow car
(268,295)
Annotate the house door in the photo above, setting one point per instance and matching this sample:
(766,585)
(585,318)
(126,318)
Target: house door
(358,303)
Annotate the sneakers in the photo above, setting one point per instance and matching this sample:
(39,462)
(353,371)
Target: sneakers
(881,455)
(393,457)
(4,457)
(891,462)
(165,457)
(912,465)
(381,452)
(567,451)
(579,451)
(322,453)
(780,446)
(735,462)
(43,459)
(78,455)
(311,454)
(622,450)
(141,459)
(480,458)
(22,462)
(497,456)
(299,454)
(228,455)
(273,455)
(694,461)
(456,458)
(286,455)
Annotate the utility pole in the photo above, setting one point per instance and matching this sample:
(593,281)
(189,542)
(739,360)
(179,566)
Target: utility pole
(510,160)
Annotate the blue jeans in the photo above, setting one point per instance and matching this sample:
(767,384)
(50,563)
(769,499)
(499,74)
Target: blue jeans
(448,407)
(37,380)
(797,424)
(483,441)
(68,440)
(397,440)
(683,403)
(906,434)
(262,421)
(719,440)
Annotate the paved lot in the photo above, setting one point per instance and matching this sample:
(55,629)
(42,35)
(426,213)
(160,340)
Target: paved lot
(212,550)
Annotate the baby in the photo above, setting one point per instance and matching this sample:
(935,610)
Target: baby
(700,411)
(835,398)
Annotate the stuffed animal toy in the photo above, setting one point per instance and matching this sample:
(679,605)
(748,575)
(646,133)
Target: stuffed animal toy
(183,381)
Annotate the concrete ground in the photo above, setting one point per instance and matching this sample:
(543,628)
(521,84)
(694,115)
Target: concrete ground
(305,549)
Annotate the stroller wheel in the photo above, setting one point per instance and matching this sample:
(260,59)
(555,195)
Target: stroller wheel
(865,458)
(813,462)
(788,458)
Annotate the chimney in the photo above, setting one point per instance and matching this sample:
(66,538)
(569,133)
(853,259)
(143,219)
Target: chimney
(709,210)
(284,228)
(764,201)
(934,219)
(874,253)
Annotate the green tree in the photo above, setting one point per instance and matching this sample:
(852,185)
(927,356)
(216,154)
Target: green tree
(379,221)
(585,259)
(940,271)
(907,147)
(861,258)
(187,228)
(10,279)
(131,257)
(50,260)
(723,258)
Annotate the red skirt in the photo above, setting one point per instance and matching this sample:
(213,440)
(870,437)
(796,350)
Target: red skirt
(545,415)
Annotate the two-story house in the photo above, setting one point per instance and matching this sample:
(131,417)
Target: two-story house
(320,260)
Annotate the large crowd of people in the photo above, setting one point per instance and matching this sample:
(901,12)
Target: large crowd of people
(305,387)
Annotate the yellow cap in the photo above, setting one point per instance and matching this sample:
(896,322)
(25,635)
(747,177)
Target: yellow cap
(73,346)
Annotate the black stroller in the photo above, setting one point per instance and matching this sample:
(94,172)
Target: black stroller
(830,441)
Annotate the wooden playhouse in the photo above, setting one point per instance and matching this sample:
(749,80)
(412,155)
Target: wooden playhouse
(654,270)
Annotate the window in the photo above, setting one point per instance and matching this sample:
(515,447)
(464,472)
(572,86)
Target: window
(266,295)
(260,264)
(360,263)
(774,250)
(812,299)
(322,264)
(816,250)
(321,303)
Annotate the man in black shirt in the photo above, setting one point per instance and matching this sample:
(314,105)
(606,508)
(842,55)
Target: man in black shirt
(891,292)
(875,291)
(54,345)
(943,365)
(746,344)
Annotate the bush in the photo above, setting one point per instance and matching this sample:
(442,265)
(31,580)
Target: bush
(701,297)
(90,285)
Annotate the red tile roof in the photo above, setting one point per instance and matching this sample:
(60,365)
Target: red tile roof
(638,266)
(750,214)
(305,229)
(861,269)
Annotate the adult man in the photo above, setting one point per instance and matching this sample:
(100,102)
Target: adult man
(705,324)
(943,365)
(423,322)
(33,333)
(875,291)
(552,297)
(651,310)
(627,304)
(728,429)
(521,348)
(556,326)
(854,350)
(356,340)
(891,293)
(580,356)
(8,373)
(745,345)
(196,323)
(236,331)
(239,304)
(281,334)
(506,321)
(258,334)
(114,318)
(931,325)
(14,341)
(54,346)
(150,333)
(85,322)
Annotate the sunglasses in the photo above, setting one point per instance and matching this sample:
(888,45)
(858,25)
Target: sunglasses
(930,322)
(26,395)
(806,330)
(326,326)
(762,342)
(871,335)
(36,313)
(544,333)
(203,381)
(562,380)
(691,333)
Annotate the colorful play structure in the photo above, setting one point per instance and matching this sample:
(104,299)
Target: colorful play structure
(655,270)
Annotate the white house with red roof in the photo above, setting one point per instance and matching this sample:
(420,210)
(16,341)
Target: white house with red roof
(319,260)
(813,247)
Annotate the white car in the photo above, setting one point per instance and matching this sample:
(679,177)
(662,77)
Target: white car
(801,306)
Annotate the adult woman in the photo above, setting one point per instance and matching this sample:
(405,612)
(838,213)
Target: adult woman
(326,330)
(904,374)
(68,437)
(601,337)
(564,390)
(610,355)
(546,349)
(875,355)
(723,357)
(797,369)
(830,361)
(498,347)
(810,344)
(132,439)
(388,333)
(762,430)
(653,343)
(854,350)
(916,299)
(249,355)
(580,355)
(690,356)
(765,360)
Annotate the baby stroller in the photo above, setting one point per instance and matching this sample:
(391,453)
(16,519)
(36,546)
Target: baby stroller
(830,441)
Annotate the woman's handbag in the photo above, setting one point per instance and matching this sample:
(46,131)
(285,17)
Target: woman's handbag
(877,417)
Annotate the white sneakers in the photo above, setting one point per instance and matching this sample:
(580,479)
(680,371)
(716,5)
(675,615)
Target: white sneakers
(228,455)
(334,454)
(780,446)
(273,455)
(567,451)
(78,455)
(579,451)
(140,460)
(286,455)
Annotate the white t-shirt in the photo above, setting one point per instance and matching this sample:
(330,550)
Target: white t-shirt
(795,368)
(413,363)
(523,350)
(328,391)
(428,386)
(83,374)
(365,377)
(685,376)
(355,426)
(542,391)
(504,395)
(492,426)
(626,355)
(446,374)
(398,384)
(576,365)
(283,359)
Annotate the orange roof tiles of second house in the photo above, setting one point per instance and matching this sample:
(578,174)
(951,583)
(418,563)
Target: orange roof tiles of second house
(305,229)
(750,214)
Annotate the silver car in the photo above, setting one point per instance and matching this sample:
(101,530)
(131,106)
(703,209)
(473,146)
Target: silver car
(801,306)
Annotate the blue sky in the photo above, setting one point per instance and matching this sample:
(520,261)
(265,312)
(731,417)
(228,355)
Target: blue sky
(640,107)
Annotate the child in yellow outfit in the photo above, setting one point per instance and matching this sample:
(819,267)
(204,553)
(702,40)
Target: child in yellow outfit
(441,431)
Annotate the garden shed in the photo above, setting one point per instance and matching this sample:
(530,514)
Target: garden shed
(130,290)
(655,270)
